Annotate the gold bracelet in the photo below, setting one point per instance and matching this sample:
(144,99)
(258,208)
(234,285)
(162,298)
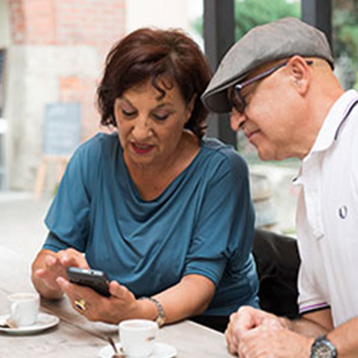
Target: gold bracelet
(161,318)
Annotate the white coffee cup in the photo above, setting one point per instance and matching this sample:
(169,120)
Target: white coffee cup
(137,337)
(24,308)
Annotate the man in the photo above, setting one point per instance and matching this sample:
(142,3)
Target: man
(278,83)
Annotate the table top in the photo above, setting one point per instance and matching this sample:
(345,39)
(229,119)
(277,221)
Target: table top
(75,336)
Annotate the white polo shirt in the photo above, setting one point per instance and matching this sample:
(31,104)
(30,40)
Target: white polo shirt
(327,215)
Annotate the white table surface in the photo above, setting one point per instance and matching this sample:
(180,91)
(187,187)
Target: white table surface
(77,337)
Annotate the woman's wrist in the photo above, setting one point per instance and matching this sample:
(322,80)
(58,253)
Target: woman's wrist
(160,317)
(146,309)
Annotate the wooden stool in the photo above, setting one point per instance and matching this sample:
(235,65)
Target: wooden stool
(61,162)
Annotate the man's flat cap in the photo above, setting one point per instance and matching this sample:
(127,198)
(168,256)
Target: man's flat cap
(277,40)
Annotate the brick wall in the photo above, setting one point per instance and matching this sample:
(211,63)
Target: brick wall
(91,22)
(94,23)
(17,21)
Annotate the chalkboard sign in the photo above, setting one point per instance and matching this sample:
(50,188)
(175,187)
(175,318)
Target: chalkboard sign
(62,130)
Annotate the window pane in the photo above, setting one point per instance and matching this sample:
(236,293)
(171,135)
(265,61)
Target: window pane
(2,68)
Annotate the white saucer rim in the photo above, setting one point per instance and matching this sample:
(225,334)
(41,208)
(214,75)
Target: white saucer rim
(33,328)
(118,345)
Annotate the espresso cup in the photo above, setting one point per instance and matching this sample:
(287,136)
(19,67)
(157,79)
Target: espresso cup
(24,308)
(137,337)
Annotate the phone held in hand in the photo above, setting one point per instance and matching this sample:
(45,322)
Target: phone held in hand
(95,279)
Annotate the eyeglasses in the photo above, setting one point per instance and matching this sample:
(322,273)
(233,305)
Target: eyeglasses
(235,97)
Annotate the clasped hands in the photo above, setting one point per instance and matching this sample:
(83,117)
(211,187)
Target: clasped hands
(121,304)
(253,333)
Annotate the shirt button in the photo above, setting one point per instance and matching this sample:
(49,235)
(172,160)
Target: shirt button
(343,212)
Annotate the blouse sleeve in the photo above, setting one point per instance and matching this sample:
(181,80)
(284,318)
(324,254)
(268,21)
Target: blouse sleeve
(68,216)
(224,231)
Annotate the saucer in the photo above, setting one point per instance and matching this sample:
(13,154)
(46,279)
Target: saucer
(44,321)
(161,350)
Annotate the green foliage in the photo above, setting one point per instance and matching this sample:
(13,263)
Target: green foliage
(197,25)
(345,29)
(345,40)
(348,35)
(250,13)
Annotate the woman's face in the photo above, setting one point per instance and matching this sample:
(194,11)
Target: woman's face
(150,127)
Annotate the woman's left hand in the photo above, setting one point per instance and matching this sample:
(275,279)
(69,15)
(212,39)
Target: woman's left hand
(121,305)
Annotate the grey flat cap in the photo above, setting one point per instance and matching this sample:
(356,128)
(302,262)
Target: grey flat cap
(264,44)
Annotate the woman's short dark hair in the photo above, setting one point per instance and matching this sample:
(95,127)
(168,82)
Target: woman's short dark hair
(148,55)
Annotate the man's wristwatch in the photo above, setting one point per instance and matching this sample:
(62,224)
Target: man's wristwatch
(322,347)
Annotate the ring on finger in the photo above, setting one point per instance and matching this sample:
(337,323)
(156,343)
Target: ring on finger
(81,304)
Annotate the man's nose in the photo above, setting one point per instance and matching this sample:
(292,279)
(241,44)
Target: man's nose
(236,120)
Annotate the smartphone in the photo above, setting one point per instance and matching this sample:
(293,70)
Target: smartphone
(95,279)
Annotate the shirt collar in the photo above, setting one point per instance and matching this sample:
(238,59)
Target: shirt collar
(330,127)
(333,120)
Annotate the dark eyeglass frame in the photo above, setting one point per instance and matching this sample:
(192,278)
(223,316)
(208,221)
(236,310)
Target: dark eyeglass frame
(237,101)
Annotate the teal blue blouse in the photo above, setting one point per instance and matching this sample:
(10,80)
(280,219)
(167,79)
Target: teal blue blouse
(201,224)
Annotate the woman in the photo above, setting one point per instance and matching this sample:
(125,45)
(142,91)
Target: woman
(165,213)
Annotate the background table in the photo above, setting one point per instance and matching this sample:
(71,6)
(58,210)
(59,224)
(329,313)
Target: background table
(76,337)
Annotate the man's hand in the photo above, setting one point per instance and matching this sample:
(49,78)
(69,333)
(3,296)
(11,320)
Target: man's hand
(243,321)
(272,340)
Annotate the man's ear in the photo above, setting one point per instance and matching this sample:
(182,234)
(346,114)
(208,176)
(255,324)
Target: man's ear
(298,68)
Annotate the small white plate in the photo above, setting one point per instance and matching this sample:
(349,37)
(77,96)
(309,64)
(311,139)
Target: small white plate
(44,321)
(161,350)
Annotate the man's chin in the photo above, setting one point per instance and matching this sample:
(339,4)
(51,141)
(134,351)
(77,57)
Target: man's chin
(270,157)
(264,155)
(264,158)
(267,155)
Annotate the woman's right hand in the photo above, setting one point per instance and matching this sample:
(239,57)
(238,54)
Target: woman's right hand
(49,265)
